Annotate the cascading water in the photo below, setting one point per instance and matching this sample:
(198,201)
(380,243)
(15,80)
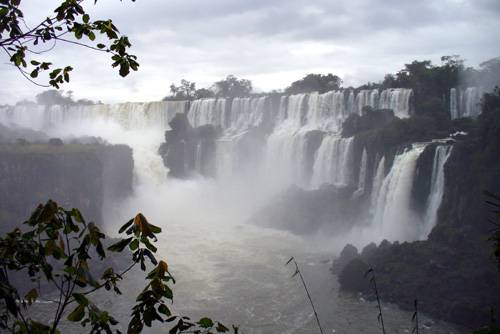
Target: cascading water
(362,175)
(393,218)
(437,188)
(378,179)
(247,112)
(333,161)
(210,250)
(123,123)
(208,111)
(398,100)
(453,103)
(302,143)
(465,102)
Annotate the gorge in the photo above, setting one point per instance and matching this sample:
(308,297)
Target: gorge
(340,167)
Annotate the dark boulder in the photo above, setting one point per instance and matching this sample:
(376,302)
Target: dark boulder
(189,150)
(352,278)
(348,254)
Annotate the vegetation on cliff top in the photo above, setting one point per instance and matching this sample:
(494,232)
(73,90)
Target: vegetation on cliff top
(453,274)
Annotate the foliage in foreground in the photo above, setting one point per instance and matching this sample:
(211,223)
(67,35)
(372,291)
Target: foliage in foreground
(70,23)
(59,248)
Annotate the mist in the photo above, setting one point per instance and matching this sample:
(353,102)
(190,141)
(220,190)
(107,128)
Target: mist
(356,140)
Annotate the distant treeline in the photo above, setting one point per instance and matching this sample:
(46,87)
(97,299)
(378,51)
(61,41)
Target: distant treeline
(425,78)
(57,97)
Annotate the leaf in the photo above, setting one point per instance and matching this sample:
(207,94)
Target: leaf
(55,73)
(120,245)
(221,328)
(101,46)
(206,323)
(86,18)
(134,245)
(78,215)
(77,314)
(164,310)
(81,299)
(163,268)
(31,296)
(126,225)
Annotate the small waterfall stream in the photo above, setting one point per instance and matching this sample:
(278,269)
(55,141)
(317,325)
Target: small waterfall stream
(437,188)
(393,217)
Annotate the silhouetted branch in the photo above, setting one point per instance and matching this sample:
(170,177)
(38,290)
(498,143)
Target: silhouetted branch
(297,272)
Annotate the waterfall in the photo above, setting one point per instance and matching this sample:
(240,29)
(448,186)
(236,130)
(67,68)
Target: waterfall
(246,113)
(208,111)
(397,99)
(378,179)
(362,174)
(287,148)
(363,100)
(437,188)
(123,123)
(393,217)
(332,163)
(465,102)
(453,103)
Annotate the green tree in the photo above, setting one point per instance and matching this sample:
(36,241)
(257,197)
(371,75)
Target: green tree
(60,248)
(232,87)
(185,91)
(204,93)
(53,97)
(315,83)
(70,24)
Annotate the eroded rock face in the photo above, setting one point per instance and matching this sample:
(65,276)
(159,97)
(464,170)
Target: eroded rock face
(74,175)
(348,254)
(422,179)
(453,274)
(371,119)
(187,150)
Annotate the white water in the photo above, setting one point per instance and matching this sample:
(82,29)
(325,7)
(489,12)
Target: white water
(362,174)
(332,162)
(437,188)
(393,218)
(284,160)
(465,102)
(225,268)
(377,184)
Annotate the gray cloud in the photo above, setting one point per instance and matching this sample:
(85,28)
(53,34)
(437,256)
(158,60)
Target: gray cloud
(272,42)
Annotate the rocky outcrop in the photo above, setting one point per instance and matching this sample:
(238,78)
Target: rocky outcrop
(453,274)
(73,175)
(187,150)
(423,177)
(370,119)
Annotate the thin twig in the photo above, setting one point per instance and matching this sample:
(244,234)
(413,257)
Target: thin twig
(297,272)
(415,318)
(380,317)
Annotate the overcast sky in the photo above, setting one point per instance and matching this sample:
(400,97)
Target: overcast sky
(271,42)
